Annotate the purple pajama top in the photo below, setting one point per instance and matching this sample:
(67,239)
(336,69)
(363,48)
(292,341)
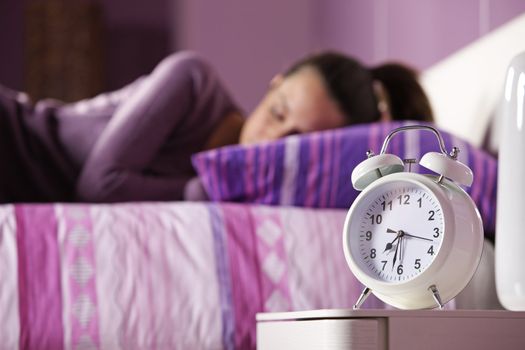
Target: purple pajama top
(133,144)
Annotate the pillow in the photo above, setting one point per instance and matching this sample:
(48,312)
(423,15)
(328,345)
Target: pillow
(314,170)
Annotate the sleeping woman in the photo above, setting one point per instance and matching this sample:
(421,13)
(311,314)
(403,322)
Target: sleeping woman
(135,144)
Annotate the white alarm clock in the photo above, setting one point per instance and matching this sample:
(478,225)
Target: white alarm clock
(412,240)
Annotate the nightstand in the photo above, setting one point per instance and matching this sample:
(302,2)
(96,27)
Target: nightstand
(391,329)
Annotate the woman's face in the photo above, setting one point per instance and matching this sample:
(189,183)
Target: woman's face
(298,103)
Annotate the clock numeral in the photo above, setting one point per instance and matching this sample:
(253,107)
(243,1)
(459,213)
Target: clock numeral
(417,264)
(431,250)
(431,217)
(368,235)
(404,199)
(400,270)
(436,234)
(376,219)
(384,264)
(420,201)
(372,253)
(387,204)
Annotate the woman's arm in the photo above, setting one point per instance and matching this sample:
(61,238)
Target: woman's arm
(115,168)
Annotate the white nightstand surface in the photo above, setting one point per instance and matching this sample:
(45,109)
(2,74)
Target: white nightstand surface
(391,329)
(346,313)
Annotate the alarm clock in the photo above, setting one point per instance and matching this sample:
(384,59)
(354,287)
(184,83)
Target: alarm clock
(413,240)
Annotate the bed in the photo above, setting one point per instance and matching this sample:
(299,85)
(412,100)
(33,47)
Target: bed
(192,275)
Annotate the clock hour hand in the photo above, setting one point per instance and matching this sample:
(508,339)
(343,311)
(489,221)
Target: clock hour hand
(389,245)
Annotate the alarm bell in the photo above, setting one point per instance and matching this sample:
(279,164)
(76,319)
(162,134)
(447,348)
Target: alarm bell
(448,167)
(375,167)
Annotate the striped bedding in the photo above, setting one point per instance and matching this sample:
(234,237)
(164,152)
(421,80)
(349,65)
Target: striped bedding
(187,275)
(163,275)
(313,170)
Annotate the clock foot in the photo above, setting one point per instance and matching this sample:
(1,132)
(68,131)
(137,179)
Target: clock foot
(364,294)
(435,295)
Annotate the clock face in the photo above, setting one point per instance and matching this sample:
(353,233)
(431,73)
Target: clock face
(396,231)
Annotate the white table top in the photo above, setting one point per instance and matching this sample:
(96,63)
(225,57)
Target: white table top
(369,313)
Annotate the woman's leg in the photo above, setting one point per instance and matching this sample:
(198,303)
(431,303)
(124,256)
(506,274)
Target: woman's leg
(21,176)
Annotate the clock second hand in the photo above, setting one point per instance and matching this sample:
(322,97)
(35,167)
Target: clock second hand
(401,249)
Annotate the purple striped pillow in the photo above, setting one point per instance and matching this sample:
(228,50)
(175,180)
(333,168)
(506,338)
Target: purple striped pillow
(313,170)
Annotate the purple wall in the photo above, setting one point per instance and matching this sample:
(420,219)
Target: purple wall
(137,37)
(418,32)
(422,33)
(345,26)
(247,41)
(250,41)
(500,11)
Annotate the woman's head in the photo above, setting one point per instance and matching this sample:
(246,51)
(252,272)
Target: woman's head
(323,91)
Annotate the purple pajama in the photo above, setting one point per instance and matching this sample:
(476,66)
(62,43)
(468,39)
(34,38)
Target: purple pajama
(131,144)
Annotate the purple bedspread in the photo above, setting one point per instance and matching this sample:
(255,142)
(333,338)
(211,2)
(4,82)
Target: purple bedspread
(163,275)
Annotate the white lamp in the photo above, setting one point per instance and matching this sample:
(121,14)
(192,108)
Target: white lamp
(510,218)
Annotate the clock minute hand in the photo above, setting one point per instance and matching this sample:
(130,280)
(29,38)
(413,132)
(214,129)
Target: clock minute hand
(418,237)
(395,255)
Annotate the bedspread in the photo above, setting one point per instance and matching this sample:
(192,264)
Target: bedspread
(163,275)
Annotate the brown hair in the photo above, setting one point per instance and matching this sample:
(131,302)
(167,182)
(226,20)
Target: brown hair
(406,98)
(351,85)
